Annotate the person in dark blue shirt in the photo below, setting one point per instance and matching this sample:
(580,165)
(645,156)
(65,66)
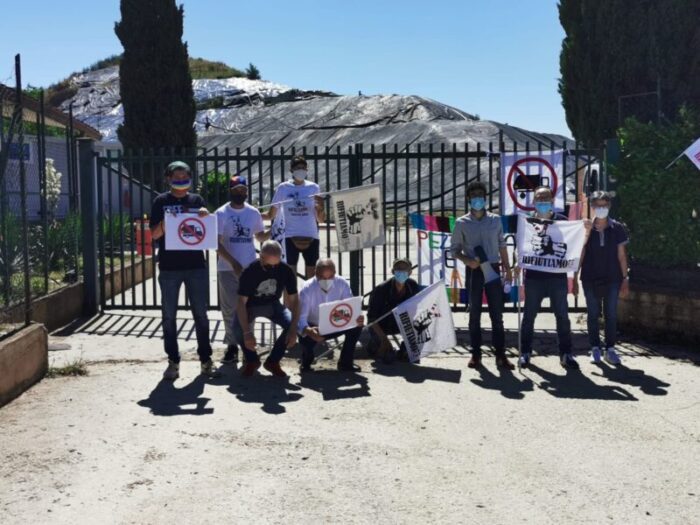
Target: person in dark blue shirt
(181,266)
(604,277)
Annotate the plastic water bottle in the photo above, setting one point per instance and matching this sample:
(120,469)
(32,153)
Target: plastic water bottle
(507,287)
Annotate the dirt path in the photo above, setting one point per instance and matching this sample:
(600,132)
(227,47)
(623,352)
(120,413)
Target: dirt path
(435,443)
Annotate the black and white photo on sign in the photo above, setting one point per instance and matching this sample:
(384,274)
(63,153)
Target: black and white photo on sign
(550,246)
(359,217)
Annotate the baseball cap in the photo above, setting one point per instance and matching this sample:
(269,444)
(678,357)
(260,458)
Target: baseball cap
(177,165)
(237,180)
(400,260)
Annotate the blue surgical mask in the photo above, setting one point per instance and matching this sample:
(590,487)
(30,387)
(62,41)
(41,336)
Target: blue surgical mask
(477,203)
(400,276)
(543,208)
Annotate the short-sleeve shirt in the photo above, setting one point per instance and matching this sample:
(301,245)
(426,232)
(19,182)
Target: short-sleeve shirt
(237,229)
(600,262)
(264,285)
(176,259)
(300,212)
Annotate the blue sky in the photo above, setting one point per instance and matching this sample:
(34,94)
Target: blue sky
(498,59)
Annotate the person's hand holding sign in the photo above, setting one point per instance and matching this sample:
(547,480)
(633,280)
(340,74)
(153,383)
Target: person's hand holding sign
(313,333)
(361,321)
(202,212)
(474,263)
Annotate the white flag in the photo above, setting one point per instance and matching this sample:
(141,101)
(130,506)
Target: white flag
(425,321)
(278,231)
(359,219)
(693,153)
(550,246)
(522,173)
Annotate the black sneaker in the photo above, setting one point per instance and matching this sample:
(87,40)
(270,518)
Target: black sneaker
(231,355)
(348,367)
(568,361)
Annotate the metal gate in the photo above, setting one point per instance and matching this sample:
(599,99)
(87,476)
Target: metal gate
(414,179)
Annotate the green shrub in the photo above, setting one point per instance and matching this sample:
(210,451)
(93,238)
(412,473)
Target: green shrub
(660,206)
(214,188)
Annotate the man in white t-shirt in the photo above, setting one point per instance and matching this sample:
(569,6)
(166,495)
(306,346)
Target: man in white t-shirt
(325,287)
(238,224)
(302,213)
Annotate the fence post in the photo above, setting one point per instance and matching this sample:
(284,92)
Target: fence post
(89,221)
(355,179)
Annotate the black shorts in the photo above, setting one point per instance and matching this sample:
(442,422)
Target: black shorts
(311,254)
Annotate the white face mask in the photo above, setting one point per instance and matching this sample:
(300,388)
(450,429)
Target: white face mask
(601,213)
(325,284)
(299,174)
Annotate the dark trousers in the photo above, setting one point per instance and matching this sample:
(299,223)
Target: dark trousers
(197,287)
(346,354)
(494,298)
(556,289)
(278,314)
(596,294)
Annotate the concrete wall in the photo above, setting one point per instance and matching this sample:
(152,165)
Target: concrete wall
(63,306)
(661,314)
(24,360)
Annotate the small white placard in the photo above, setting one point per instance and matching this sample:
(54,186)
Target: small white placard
(339,315)
(189,231)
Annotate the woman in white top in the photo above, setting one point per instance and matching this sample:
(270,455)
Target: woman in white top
(302,214)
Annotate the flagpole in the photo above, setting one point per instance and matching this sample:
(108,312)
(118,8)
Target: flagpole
(324,194)
(675,160)
(517,299)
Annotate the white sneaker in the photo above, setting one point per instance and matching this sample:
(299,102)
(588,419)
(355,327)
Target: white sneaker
(172,372)
(611,356)
(209,370)
(595,355)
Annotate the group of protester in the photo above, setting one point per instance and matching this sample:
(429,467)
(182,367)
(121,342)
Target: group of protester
(253,286)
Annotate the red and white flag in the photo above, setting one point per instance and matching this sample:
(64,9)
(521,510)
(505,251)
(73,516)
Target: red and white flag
(693,153)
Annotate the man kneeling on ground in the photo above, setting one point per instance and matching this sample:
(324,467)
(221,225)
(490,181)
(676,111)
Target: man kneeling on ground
(384,298)
(261,286)
(325,287)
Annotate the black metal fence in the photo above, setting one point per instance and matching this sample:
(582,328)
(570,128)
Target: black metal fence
(414,179)
(40,241)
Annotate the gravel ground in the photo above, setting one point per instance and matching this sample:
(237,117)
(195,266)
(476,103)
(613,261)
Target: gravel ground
(434,443)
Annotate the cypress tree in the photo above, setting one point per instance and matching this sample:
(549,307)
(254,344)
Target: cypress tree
(154,77)
(614,48)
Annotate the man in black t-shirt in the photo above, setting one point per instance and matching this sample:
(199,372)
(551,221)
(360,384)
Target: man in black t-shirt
(181,266)
(260,289)
(383,299)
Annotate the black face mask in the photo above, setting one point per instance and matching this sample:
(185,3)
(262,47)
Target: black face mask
(238,198)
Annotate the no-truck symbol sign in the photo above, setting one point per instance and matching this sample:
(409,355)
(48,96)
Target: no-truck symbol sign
(522,174)
(338,316)
(341,315)
(192,231)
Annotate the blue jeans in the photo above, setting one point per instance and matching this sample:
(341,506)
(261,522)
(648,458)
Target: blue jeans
(278,314)
(346,354)
(556,289)
(608,294)
(494,297)
(197,287)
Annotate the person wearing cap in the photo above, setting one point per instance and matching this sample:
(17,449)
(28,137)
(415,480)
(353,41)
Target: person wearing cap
(383,299)
(303,211)
(477,239)
(178,267)
(239,224)
(326,287)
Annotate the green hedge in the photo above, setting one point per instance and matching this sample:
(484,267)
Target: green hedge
(660,206)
